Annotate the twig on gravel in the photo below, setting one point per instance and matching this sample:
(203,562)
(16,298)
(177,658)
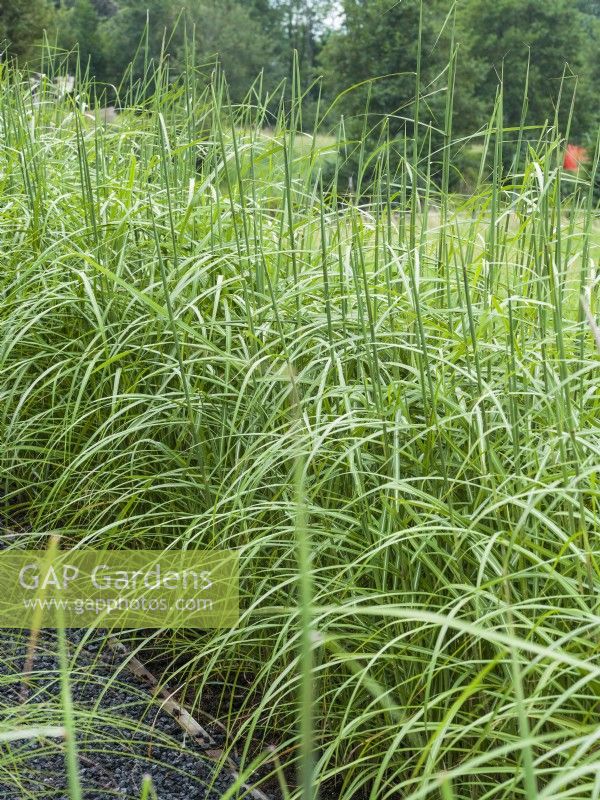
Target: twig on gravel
(28,665)
(190,725)
(201,736)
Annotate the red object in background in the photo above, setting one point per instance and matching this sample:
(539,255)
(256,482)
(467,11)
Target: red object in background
(575,156)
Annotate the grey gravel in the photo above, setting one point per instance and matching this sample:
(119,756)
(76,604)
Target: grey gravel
(124,737)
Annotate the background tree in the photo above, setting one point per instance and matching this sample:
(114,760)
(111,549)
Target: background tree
(222,30)
(105,8)
(161,22)
(292,27)
(226,31)
(500,35)
(78,27)
(22,24)
(589,7)
(374,50)
(303,25)
(379,39)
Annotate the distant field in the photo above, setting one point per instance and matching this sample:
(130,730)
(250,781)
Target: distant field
(387,404)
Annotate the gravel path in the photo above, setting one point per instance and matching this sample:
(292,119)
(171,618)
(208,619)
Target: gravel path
(124,737)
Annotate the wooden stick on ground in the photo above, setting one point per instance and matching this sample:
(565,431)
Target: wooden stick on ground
(189,724)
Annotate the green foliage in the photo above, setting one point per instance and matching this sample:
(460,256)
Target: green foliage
(500,37)
(156,29)
(105,8)
(496,38)
(79,28)
(589,7)
(380,40)
(374,50)
(150,23)
(226,31)
(246,38)
(293,27)
(22,23)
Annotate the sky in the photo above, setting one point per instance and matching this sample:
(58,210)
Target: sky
(335,18)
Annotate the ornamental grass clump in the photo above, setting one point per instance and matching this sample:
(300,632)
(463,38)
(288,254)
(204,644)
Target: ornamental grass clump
(385,400)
